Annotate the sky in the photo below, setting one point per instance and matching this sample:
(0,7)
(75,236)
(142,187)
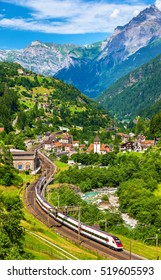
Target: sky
(78,22)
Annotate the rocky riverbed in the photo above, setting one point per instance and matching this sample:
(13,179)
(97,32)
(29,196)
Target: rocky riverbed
(111,203)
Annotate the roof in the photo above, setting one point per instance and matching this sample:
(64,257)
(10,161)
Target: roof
(22,155)
(147,143)
(90,148)
(96,139)
(122,134)
(58,144)
(1,129)
(105,147)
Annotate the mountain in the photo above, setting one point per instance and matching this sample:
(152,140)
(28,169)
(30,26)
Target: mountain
(49,58)
(95,67)
(137,93)
(126,49)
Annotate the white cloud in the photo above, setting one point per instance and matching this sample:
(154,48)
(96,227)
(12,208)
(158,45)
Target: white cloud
(135,13)
(71,17)
(115,14)
(158,4)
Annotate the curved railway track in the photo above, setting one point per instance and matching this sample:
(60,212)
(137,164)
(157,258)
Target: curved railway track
(30,200)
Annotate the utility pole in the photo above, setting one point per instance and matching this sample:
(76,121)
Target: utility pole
(58,200)
(79,222)
(105,225)
(130,248)
(156,244)
(157,256)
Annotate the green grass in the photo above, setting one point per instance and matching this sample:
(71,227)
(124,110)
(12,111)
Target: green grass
(74,109)
(139,248)
(61,166)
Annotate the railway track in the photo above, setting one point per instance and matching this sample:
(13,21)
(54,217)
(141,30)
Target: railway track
(30,201)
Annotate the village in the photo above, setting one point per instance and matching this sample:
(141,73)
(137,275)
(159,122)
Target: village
(62,143)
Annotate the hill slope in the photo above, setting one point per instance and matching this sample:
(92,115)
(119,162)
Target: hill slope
(138,93)
(44,103)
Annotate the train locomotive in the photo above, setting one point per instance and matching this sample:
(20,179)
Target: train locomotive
(90,232)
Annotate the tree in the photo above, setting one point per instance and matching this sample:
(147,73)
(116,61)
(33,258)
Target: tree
(11,232)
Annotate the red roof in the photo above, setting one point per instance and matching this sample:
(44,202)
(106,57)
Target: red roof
(105,148)
(90,148)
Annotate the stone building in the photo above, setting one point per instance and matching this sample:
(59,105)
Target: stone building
(25,160)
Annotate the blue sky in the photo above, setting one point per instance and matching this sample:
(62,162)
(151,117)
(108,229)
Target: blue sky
(64,21)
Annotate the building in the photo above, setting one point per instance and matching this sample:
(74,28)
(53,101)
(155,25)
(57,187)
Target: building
(146,144)
(66,138)
(25,160)
(128,146)
(97,147)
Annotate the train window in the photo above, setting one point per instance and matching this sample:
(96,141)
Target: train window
(118,241)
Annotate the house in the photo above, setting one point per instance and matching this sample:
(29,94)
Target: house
(82,147)
(128,146)
(66,138)
(20,71)
(105,149)
(75,144)
(146,144)
(25,160)
(68,147)
(71,162)
(48,145)
(140,138)
(58,147)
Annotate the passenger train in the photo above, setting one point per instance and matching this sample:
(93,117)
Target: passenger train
(100,236)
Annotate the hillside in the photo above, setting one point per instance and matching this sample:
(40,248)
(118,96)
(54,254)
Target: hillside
(39,104)
(138,93)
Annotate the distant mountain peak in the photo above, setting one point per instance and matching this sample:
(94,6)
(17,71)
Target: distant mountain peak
(36,43)
(148,14)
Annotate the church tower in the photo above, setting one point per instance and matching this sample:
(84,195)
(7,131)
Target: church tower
(97,145)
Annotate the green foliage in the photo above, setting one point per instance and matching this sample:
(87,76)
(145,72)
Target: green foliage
(90,214)
(65,196)
(9,176)
(155,125)
(11,232)
(64,158)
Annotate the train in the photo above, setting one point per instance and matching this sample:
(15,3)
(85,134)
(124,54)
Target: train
(100,236)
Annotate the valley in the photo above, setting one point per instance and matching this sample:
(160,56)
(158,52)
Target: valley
(94,112)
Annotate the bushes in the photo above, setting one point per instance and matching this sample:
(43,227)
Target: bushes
(9,176)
